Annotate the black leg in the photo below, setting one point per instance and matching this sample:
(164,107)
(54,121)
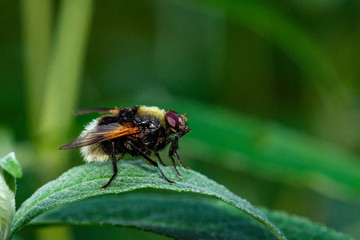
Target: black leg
(178,158)
(173,150)
(150,161)
(173,162)
(158,156)
(173,147)
(114,167)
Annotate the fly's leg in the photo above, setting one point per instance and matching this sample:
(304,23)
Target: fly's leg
(178,158)
(173,150)
(152,162)
(173,162)
(115,170)
(158,156)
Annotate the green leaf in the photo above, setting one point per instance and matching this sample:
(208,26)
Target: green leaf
(11,165)
(9,170)
(181,218)
(7,207)
(85,181)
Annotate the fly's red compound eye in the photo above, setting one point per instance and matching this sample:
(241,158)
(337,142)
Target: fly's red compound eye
(172,119)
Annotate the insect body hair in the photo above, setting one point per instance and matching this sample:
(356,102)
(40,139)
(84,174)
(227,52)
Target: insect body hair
(153,111)
(94,152)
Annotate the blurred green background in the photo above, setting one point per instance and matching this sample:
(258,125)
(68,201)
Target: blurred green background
(270,88)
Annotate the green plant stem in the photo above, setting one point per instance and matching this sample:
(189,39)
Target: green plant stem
(36,21)
(63,79)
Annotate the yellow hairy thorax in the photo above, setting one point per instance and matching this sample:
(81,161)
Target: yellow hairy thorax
(155,111)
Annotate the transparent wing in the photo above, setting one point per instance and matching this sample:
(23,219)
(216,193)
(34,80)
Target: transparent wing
(97,110)
(101,133)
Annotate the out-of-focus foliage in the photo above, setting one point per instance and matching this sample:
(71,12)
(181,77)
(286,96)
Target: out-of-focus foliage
(271,91)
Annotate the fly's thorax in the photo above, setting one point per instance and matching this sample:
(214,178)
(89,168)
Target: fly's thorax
(153,112)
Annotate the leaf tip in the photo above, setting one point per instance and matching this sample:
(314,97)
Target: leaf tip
(11,165)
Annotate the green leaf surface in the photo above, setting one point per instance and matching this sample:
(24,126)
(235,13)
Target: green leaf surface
(11,165)
(9,170)
(85,181)
(182,218)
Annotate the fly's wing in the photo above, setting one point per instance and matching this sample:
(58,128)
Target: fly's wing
(101,133)
(97,110)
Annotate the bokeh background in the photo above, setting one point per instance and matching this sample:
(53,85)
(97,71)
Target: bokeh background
(270,88)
